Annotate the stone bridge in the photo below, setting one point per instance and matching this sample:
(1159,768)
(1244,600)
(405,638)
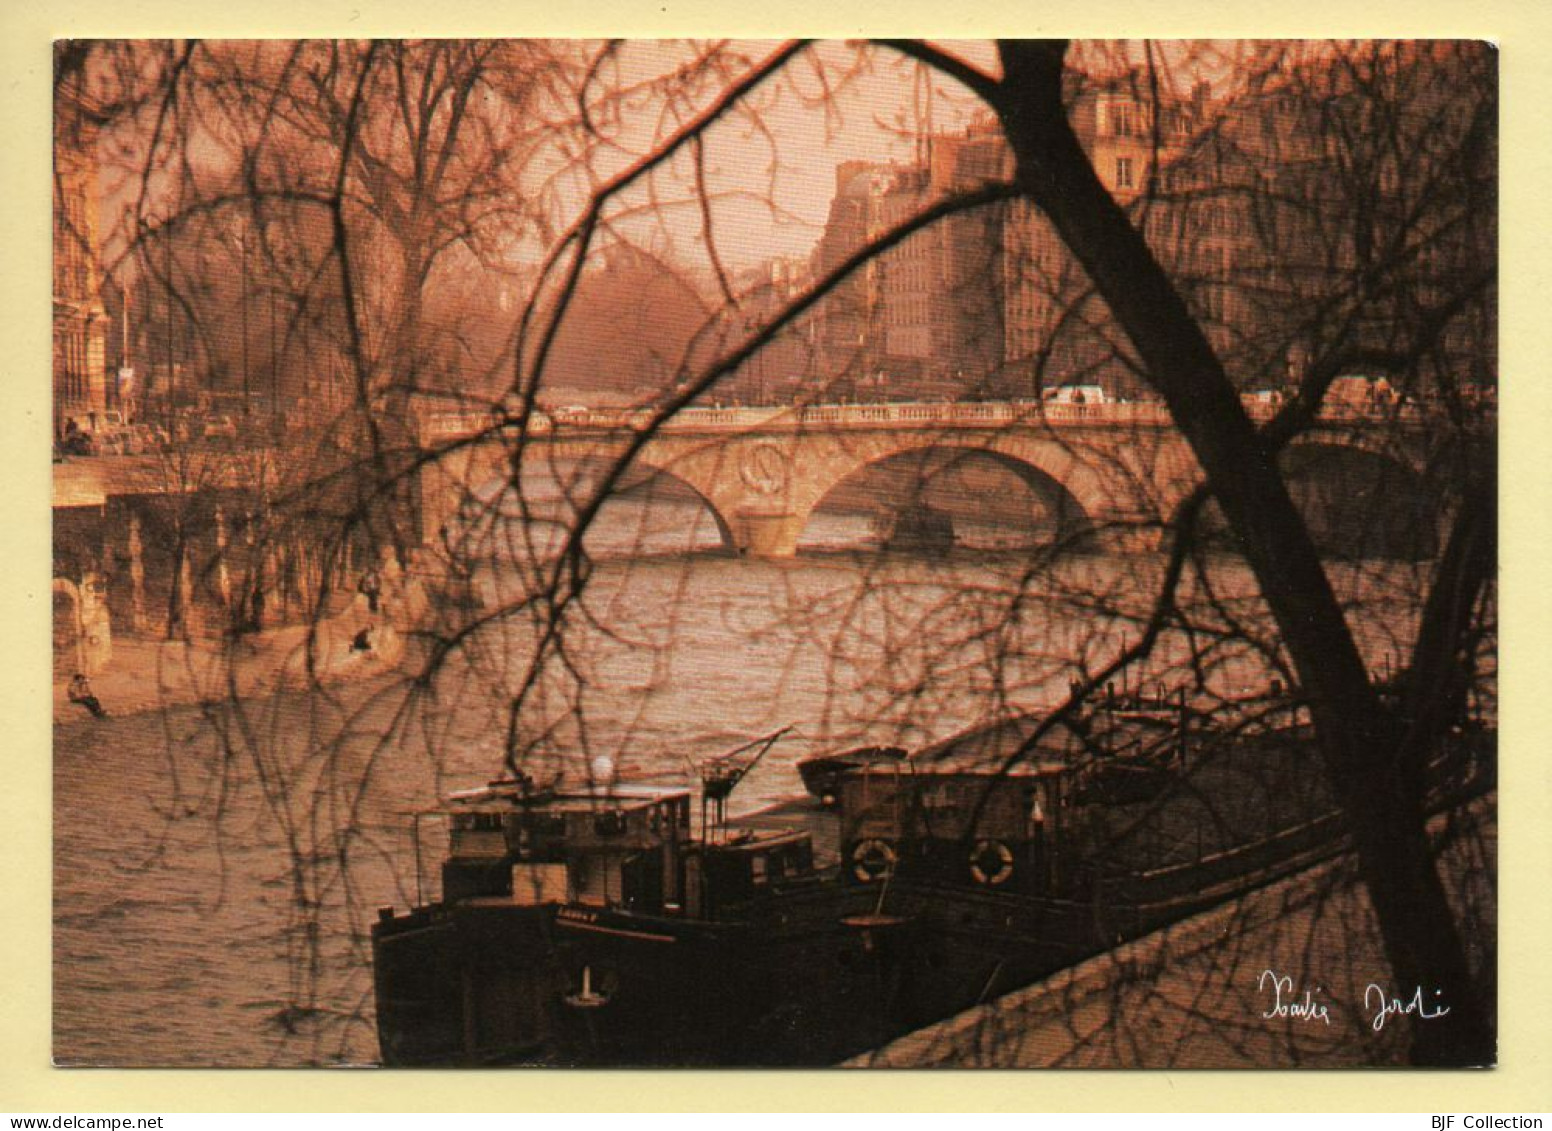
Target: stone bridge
(762,472)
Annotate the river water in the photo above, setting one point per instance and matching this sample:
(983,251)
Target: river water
(217,869)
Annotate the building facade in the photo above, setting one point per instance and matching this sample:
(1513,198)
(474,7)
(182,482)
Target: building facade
(80,321)
(1268,207)
(988,301)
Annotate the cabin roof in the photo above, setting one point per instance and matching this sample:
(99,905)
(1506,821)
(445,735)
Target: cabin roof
(739,839)
(1136,721)
(988,749)
(503,798)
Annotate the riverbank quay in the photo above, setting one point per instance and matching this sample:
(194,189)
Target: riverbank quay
(1291,975)
(148,675)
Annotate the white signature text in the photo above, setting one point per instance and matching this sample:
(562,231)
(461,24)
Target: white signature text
(1285,1003)
(1383,1006)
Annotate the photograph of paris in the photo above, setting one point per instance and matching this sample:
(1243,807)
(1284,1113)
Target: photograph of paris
(717,553)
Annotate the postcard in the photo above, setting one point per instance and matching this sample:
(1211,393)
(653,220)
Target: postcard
(720,553)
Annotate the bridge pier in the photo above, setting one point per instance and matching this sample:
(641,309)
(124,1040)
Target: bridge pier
(765,535)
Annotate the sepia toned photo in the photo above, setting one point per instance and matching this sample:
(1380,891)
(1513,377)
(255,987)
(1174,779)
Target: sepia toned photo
(711,553)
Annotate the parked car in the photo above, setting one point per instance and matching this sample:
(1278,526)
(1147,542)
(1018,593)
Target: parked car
(146,439)
(1076,394)
(220,427)
(78,444)
(113,441)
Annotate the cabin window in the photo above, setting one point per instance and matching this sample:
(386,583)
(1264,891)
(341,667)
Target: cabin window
(537,835)
(533,884)
(757,869)
(595,880)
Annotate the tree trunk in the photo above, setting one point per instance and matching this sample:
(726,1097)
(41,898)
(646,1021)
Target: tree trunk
(1360,742)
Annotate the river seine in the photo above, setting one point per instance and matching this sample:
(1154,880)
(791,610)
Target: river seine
(217,868)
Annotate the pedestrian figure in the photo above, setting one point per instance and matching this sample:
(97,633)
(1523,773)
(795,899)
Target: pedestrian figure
(81,692)
(371,587)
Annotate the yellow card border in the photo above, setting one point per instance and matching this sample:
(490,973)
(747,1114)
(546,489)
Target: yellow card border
(1523,1082)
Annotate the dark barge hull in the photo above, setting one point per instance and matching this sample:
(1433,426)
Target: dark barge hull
(801,967)
(807,977)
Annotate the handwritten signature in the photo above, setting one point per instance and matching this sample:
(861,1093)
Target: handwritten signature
(1306,1005)
(1307,1009)
(1383,1006)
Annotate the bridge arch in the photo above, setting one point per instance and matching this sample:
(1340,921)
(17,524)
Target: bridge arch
(1361,500)
(555,495)
(931,468)
(643,478)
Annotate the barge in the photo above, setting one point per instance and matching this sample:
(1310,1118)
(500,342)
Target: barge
(604,925)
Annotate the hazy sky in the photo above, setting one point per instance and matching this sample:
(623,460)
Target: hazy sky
(770,166)
(773,183)
(838,102)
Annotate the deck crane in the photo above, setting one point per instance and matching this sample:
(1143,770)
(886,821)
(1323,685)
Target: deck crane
(721,774)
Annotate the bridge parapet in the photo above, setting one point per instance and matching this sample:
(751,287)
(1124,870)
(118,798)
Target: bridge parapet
(958,414)
(458,425)
(446,426)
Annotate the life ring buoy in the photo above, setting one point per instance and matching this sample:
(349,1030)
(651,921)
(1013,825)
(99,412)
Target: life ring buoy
(991,862)
(872,858)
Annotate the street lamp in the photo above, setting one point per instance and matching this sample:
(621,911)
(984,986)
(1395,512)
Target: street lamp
(240,239)
(242,244)
(274,368)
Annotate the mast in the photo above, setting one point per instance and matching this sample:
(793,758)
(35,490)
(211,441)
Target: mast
(721,774)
